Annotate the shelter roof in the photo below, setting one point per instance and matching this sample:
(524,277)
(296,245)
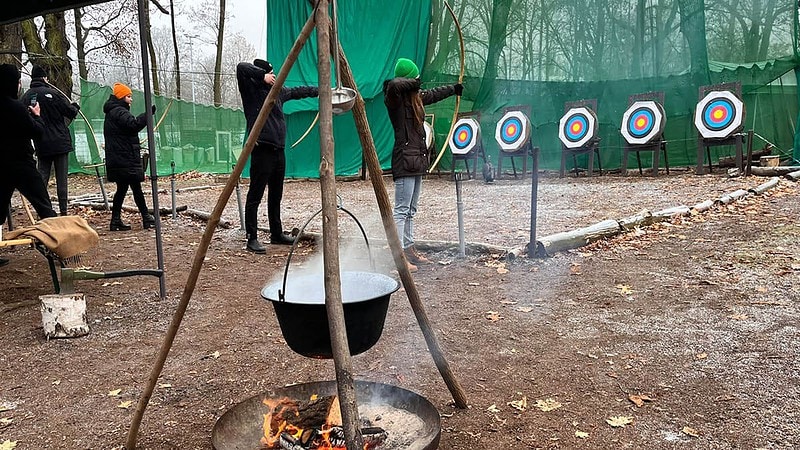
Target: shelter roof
(14,11)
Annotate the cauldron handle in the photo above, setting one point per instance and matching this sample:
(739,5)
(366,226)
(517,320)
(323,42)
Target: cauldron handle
(282,292)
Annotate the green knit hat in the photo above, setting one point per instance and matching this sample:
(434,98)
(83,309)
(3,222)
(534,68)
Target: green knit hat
(406,68)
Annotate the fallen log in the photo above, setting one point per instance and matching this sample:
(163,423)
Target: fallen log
(703,206)
(549,245)
(640,219)
(730,161)
(206,216)
(195,188)
(732,196)
(764,187)
(669,213)
(778,171)
(794,176)
(161,211)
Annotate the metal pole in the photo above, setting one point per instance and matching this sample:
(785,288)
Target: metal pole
(458,176)
(172,185)
(534,199)
(151,141)
(239,202)
(102,187)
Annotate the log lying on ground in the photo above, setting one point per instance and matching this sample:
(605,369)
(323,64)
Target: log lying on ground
(640,219)
(669,213)
(794,176)
(549,245)
(703,206)
(732,196)
(764,187)
(778,171)
(161,211)
(205,216)
(195,188)
(730,161)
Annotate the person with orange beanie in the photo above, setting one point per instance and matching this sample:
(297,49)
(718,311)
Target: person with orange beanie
(123,161)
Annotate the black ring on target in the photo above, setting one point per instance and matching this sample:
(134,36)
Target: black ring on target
(718,114)
(462,136)
(641,122)
(576,127)
(511,130)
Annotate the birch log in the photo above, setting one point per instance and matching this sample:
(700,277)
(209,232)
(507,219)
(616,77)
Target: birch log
(206,216)
(641,219)
(550,245)
(64,315)
(794,176)
(703,206)
(732,196)
(764,187)
(669,213)
(774,171)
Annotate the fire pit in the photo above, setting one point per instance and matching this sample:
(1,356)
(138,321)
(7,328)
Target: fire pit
(406,420)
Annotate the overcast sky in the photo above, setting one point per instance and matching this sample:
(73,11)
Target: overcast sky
(249,18)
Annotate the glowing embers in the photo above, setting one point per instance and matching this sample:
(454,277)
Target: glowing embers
(466,135)
(643,122)
(577,127)
(513,131)
(719,114)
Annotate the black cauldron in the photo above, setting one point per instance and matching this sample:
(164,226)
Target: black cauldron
(303,317)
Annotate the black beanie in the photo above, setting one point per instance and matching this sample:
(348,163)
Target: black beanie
(263,64)
(9,80)
(38,72)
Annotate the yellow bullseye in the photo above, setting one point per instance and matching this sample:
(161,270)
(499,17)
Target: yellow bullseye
(576,127)
(462,136)
(641,122)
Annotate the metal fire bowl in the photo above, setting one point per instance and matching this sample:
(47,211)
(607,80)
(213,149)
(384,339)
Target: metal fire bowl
(241,427)
(343,99)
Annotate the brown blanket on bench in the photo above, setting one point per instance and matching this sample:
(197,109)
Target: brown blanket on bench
(66,236)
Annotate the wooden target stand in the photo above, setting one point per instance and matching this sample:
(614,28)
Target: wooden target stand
(591,148)
(474,153)
(735,139)
(525,152)
(658,146)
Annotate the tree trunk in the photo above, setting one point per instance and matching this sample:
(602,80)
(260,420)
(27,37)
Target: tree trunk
(11,43)
(175,49)
(497,41)
(218,60)
(80,45)
(151,51)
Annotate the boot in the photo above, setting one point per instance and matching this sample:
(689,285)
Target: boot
(148,221)
(254,246)
(117,224)
(411,267)
(413,256)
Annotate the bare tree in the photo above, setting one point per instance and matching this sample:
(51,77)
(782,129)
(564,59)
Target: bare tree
(106,30)
(210,17)
(50,51)
(11,43)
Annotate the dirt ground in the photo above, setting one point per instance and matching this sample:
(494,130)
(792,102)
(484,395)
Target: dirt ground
(678,335)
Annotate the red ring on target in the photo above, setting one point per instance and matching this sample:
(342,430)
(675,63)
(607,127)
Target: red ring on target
(643,122)
(577,127)
(719,114)
(465,136)
(513,131)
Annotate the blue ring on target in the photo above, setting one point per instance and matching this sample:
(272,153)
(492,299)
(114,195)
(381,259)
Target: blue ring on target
(645,114)
(510,137)
(462,136)
(722,105)
(583,127)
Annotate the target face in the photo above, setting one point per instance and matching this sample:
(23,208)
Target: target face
(513,131)
(719,114)
(429,137)
(577,127)
(643,122)
(466,135)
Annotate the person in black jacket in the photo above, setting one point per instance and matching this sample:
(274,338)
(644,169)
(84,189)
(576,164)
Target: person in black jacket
(267,162)
(55,143)
(19,124)
(410,159)
(123,155)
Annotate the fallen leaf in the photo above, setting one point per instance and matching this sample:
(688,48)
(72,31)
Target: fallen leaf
(703,355)
(547,405)
(472,283)
(581,434)
(738,317)
(8,445)
(624,289)
(619,421)
(493,409)
(519,405)
(5,421)
(164,385)
(502,270)
(525,309)
(125,405)
(114,393)
(690,431)
(508,302)
(639,400)
(493,316)
(56,383)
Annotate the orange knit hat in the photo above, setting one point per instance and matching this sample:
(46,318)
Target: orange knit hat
(120,90)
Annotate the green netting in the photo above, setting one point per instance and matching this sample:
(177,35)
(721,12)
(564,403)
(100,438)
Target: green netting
(521,52)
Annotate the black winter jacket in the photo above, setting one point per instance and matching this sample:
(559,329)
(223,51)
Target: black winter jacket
(254,91)
(57,113)
(121,132)
(410,154)
(17,125)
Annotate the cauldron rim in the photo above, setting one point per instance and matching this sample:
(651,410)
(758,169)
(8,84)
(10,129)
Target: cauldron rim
(272,290)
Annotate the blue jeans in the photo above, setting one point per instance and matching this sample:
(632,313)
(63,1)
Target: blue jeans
(406,197)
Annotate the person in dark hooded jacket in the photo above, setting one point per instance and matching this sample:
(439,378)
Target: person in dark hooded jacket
(123,155)
(268,161)
(55,143)
(18,125)
(405,102)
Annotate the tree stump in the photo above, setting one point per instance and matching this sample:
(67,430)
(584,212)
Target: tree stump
(64,315)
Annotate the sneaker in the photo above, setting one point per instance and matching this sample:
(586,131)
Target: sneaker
(281,239)
(254,246)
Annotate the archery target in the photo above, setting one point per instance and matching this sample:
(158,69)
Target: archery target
(466,135)
(643,122)
(513,131)
(577,127)
(719,114)
(429,137)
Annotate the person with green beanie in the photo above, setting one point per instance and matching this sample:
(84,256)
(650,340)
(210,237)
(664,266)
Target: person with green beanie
(405,102)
